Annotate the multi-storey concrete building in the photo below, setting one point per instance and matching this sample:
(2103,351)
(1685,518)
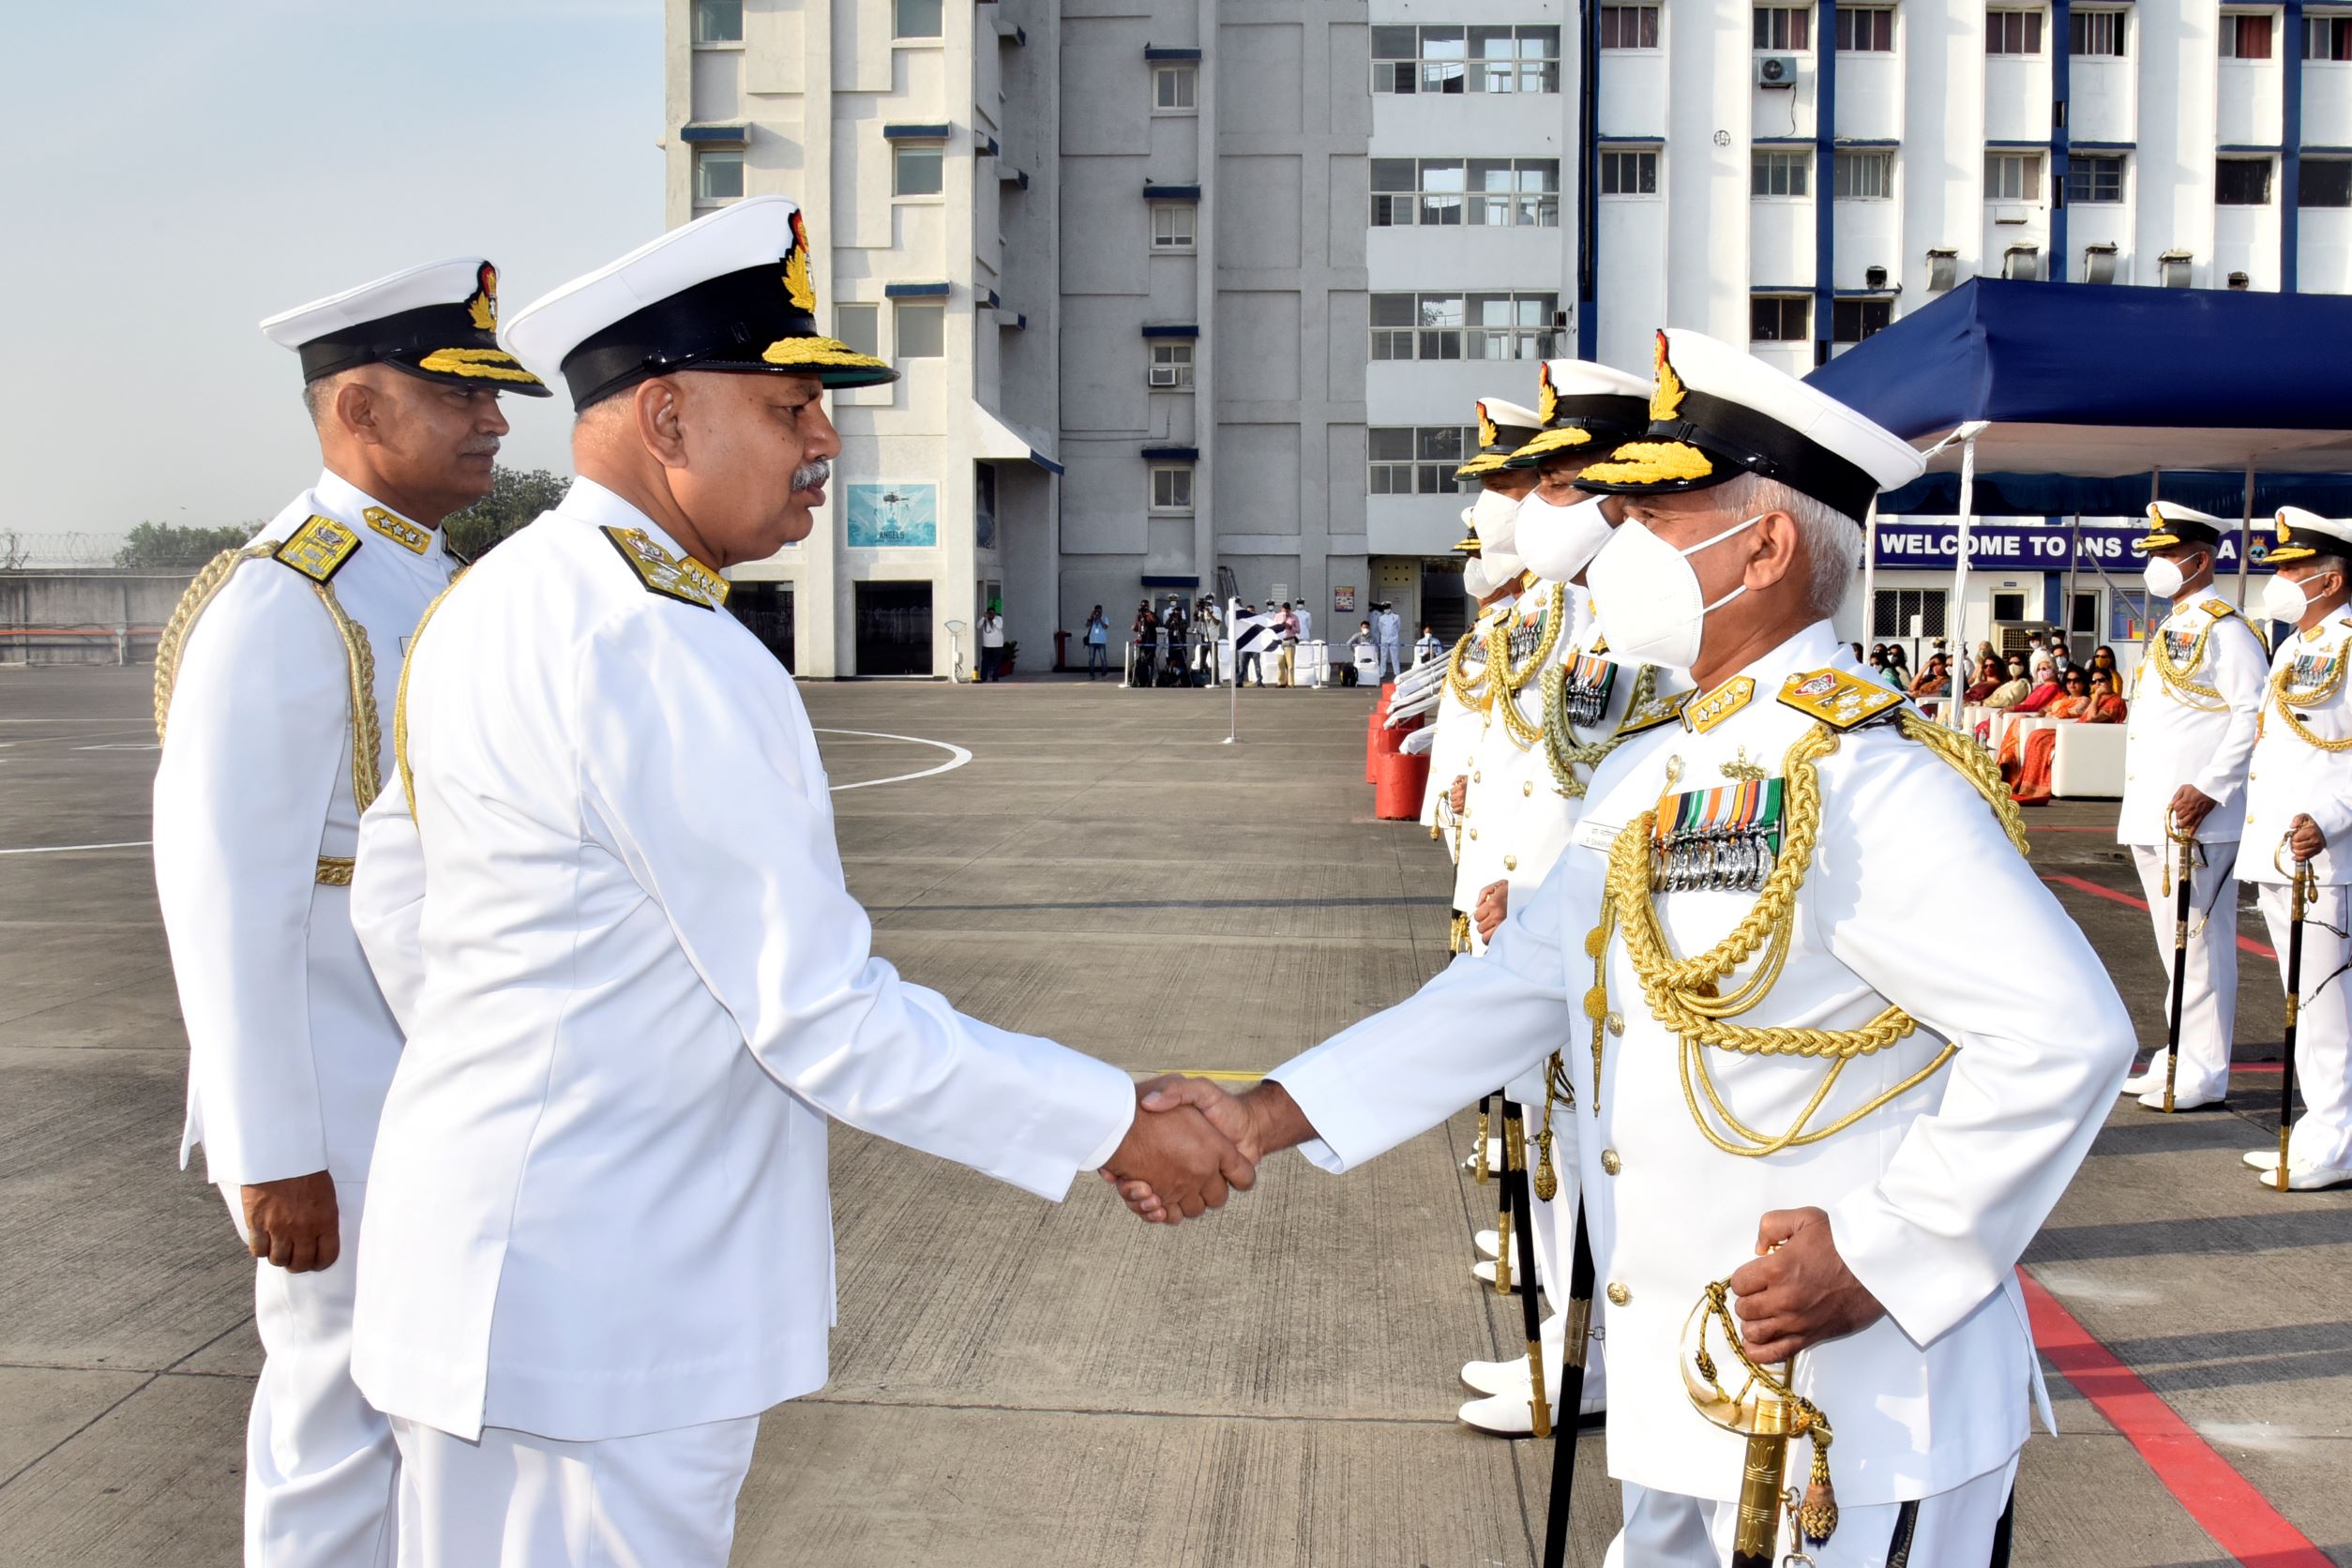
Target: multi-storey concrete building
(1189,285)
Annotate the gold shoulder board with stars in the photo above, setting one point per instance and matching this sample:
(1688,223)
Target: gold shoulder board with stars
(319,548)
(2217,607)
(397,529)
(1657,710)
(688,581)
(1837,699)
(1720,703)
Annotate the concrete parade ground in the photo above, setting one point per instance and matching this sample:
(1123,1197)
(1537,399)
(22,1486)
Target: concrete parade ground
(1018,1383)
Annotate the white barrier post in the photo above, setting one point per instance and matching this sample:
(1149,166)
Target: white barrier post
(1233,693)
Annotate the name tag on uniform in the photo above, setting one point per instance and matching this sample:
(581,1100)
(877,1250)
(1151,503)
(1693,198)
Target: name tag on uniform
(1591,835)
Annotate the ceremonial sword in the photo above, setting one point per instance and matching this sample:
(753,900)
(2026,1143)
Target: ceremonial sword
(1515,1182)
(2300,894)
(1572,1353)
(2180,906)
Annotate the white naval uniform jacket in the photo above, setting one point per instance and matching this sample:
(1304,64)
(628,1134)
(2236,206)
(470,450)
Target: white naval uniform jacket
(2173,738)
(2288,776)
(1931,1199)
(1484,742)
(636,989)
(290,1045)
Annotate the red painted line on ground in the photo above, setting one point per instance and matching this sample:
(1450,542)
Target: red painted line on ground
(2239,1519)
(2245,944)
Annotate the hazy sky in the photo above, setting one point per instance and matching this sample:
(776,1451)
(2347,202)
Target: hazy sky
(174,173)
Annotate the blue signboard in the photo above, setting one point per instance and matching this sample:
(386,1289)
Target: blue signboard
(892,516)
(1932,543)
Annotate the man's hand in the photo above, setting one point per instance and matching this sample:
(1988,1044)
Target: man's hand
(1260,1122)
(1458,796)
(2303,837)
(293,1222)
(1176,1154)
(1494,903)
(2190,807)
(1798,1291)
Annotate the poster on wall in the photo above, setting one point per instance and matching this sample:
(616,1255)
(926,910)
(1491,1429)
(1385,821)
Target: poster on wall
(894,517)
(1342,599)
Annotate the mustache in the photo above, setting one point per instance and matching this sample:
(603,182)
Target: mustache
(808,476)
(487,449)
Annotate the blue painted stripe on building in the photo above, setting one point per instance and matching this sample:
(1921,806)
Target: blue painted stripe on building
(2247,148)
(1173,453)
(2024,145)
(1869,141)
(1047,464)
(2061,88)
(2102,146)
(914,290)
(1825,182)
(1161,51)
(2291,155)
(1634,141)
(1179,329)
(715,134)
(1171,193)
(917,133)
(1589,184)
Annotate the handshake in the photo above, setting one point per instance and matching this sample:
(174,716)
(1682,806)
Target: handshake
(1193,1143)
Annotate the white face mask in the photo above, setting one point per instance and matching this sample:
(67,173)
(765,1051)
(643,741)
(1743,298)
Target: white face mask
(2163,577)
(1653,608)
(1495,516)
(1505,567)
(1474,581)
(1561,541)
(2283,599)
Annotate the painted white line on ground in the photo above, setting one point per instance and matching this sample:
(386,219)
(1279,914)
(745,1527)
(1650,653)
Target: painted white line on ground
(75,848)
(956,757)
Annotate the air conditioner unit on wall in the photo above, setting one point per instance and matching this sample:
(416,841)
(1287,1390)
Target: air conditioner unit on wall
(1776,70)
(1163,375)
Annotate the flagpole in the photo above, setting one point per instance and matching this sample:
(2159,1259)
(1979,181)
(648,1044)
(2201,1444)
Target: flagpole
(1234,688)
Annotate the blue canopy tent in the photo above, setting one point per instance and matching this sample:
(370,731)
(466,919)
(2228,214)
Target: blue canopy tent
(2050,398)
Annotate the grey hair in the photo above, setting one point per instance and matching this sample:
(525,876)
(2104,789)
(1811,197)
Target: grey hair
(1834,541)
(318,396)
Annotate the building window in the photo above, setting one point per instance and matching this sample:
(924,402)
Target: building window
(1852,320)
(1777,172)
(1175,89)
(2094,178)
(1484,193)
(1171,489)
(717,177)
(718,20)
(2013,32)
(1173,225)
(1494,326)
(1780,318)
(2242,182)
(917,169)
(921,329)
(2098,34)
(2012,176)
(2245,35)
(2324,182)
(1171,367)
(860,327)
(1409,459)
(914,19)
(1494,59)
(1866,29)
(2327,37)
(1629,172)
(1864,176)
(1783,27)
(1910,612)
(1629,27)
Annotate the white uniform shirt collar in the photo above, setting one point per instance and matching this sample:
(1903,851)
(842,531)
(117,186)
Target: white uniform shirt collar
(351,503)
(594,505)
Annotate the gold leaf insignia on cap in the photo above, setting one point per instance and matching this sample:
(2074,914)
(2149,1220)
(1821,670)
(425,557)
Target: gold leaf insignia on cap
(1651,462)
(1546,400)
(482,309)
(2286,535)
(1665,400)
(1488,434)
(799,285)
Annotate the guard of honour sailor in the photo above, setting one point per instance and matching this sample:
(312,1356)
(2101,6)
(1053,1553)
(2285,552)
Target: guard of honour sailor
(2194,701)
(1766,1096)
(274,689)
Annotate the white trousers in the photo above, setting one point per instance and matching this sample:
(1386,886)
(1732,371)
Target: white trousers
(320,1468)
(2323,1027)
(1951,1530)
(2209,1002)
(514,1500)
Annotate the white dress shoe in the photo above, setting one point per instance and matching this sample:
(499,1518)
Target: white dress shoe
(1489,1242)
(2151,1081)
(1496,1377)
(2305,1178)
(2181,1100)
(1483,1271)
(1494,1156)
(1512,1414)
(2263,1159)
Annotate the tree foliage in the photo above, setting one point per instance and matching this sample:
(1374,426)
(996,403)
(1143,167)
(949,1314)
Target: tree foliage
(517,496)
(172,545)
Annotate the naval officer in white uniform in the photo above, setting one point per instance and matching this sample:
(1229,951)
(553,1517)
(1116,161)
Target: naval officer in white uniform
(607,904)
(274,686)
(2298,807)
(1748,920)
(2194,700)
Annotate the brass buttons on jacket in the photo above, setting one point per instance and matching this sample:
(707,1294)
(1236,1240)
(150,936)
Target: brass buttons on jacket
(1618,1295)
(1509,863)
(1610,1162)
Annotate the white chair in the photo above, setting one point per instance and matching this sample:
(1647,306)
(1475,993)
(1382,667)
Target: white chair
(2087,763)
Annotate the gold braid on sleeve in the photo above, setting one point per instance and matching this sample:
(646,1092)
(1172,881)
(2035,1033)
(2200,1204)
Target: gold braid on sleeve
(367,725)
(1686,995)
(399,699)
